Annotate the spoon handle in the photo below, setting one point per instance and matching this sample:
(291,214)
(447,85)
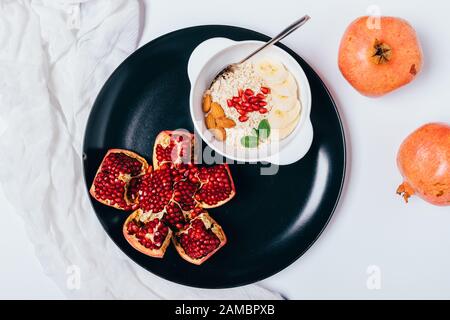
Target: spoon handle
(294,26)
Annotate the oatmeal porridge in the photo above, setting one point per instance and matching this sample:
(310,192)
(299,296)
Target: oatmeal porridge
(253,104)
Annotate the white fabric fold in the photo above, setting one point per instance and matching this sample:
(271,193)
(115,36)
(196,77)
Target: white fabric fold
(54,57)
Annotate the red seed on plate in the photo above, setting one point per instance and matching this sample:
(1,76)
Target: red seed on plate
(242,112)
(249,92)
(236,99)
(263,110)
(240,92)
(246,104)
(262,103)
(243,118)
(244,98)
(265,90)
(260,96)
(230,102)
(255,107)
(252,99)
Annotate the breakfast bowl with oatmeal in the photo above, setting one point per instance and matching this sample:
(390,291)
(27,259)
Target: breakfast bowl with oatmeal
(257,111)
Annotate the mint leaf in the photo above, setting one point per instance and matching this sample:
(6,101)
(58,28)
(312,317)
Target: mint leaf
(249,141)
(255,132)
(264,129)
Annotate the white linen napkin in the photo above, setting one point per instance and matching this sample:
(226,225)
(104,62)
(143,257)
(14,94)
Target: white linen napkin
(54,57)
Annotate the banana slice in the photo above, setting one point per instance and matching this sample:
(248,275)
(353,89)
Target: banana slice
(279,118)
(286,88)
(270,70)
(284,132)
(284,102)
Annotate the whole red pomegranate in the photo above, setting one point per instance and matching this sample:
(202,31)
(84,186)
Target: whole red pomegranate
(424,162)
(379,54)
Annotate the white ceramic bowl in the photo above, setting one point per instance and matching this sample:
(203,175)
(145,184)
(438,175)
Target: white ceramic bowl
(209,58)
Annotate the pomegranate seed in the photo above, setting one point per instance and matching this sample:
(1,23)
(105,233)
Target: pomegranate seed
(260,96)
(255,107)
(263,103)
(240,92)
(246,104)
(265,90)
(230,103)
(249,92)
(236,99)
(141,234)
(242,112)
(179,225)
(263,110)
(243,118)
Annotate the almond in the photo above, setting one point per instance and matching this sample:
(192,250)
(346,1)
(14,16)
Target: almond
(217,110)
(210,121)
(206,103)
(225,122)
(219,133)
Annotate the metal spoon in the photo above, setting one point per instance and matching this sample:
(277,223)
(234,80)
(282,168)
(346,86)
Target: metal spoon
(294,26)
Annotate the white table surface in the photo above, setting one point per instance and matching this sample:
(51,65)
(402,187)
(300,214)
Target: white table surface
(408,244)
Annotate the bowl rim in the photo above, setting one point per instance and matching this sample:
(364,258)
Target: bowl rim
(303,83)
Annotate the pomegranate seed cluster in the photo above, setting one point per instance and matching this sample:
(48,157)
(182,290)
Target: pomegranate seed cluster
(184,194)
(155,190)
(174,216)
(198,241)
(247,101)
(170,199)
(111,181)
(151,234)
(165,154)
(177,151)
(120,163)
(216,186)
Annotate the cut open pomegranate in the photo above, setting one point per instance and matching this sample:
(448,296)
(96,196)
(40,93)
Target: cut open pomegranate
(147,233)
(115,172)
(154,192)
(173,148)
(198,241)
(212,186)
(217,186)
(170,199)
(206,187)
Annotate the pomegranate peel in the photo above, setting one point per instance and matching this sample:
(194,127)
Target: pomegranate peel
(201,239)
(147,233)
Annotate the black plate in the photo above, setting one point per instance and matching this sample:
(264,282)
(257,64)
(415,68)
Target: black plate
(272,220)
